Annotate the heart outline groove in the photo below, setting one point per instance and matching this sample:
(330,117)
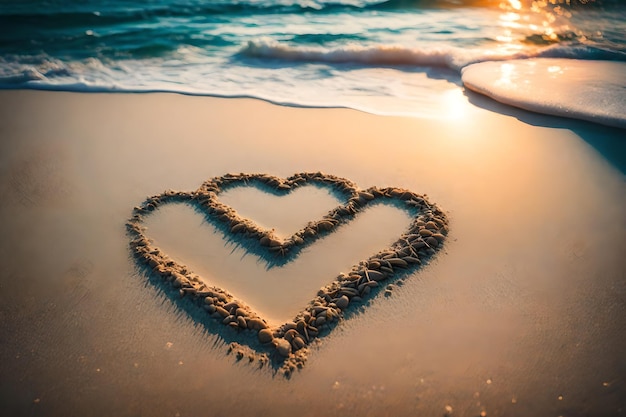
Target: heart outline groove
(288,344)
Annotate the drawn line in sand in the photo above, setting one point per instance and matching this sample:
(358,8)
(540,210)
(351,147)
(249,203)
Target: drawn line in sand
(286,346)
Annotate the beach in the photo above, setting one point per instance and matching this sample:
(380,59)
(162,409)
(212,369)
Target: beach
(521,312)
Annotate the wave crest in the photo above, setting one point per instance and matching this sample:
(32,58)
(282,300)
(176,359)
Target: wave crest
(397,55)
(377,55)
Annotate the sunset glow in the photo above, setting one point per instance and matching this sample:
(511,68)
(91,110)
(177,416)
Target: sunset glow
(313,208)
(515,4)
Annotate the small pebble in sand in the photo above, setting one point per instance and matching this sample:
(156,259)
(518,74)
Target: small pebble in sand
(342,302)
(265,335)
(375,275)
(298,343)
(431,225)
(425,233)
(283,347)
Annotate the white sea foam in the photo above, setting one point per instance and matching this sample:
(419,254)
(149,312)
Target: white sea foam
(356,54)
(382,79)
(588,90)
(454,58)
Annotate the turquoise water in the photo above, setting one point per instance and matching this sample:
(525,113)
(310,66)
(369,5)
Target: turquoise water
(389,57)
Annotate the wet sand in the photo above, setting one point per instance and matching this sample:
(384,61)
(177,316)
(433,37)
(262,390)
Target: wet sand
(521,313)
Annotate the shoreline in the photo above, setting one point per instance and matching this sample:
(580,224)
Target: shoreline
(597,103)
(523,305)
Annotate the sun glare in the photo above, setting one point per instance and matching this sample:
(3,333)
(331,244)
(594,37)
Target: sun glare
(507,72)
(506,38)
(515,4)
(531,22)
(510,17)
(455,103)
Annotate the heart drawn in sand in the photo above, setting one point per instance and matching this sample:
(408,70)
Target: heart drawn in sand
(286,346)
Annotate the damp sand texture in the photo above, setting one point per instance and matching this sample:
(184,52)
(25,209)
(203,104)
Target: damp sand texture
(521,313)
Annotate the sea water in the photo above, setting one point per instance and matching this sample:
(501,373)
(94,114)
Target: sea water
(397,57)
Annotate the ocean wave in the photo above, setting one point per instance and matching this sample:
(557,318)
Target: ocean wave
(183,60)
(379,55)
(324,38)
(99,13)
(397,55)
(41,70)
(21,77)
(69,15)
(585,52)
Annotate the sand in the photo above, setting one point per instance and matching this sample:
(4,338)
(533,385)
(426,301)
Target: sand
(521,313)
(277,293)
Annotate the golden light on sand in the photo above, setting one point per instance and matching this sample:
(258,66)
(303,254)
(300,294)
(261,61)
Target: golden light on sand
(505,290)
(455,103)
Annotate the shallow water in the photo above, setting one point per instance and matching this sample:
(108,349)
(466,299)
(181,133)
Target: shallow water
(386,57)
